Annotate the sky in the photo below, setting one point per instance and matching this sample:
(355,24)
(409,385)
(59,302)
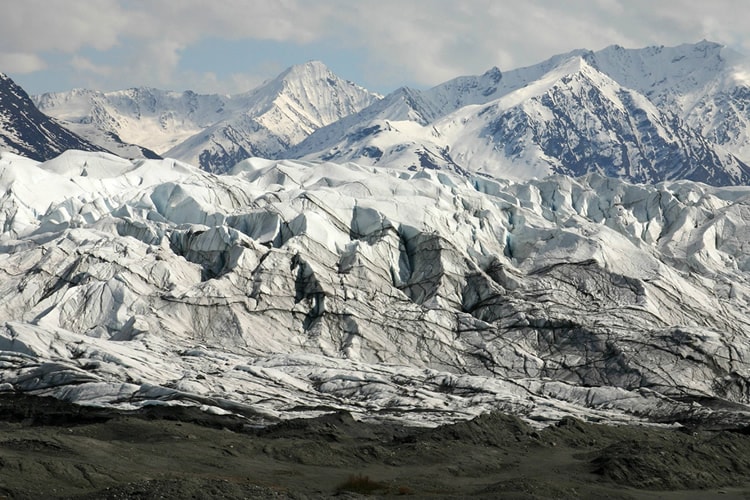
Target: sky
(231,46)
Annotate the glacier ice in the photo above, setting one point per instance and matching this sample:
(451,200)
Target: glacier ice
(294,288)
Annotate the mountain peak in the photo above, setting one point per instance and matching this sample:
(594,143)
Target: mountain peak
(568,114)
(311,69)
(313,64)
(689,82)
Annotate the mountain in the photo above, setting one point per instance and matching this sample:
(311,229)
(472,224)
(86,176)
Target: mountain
(86,112)
(215,131)
(154,119)
(706,84)
(299,288)
(643,115)
(27,131)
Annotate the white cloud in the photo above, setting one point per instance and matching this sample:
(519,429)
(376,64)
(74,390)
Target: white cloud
(431,41)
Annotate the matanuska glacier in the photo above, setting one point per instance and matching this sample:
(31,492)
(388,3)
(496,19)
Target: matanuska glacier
(288,288)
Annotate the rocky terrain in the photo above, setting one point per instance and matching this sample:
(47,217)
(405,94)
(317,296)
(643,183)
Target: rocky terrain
(51,449)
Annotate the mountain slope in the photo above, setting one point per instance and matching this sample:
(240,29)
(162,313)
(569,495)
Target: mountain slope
(277,115)
(301,288)
(585,122)
(571,120)
(705,84)
(644,115)
(27,131)
(154,119)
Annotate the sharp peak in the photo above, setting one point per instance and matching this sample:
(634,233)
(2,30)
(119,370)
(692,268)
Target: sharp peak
(312,63)
(309,67)
(5,78)
(578,63)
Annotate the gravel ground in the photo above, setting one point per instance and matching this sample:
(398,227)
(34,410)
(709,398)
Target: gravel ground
(50,449)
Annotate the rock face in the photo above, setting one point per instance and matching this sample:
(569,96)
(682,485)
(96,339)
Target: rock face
(294,288)
(25,130)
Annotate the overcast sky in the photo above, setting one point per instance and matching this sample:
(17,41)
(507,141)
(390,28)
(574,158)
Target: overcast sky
(231,46)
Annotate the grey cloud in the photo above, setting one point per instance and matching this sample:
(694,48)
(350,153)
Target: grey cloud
(424,42)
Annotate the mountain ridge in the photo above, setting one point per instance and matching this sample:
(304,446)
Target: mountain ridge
(216,131)
(27,131)
(689,100)
(682,134)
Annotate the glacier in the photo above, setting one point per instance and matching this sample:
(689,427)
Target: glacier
(289,288)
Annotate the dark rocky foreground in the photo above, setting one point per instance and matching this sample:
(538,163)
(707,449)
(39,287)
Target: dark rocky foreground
(50,449)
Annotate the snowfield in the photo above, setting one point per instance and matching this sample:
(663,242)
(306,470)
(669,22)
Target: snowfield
(293,288)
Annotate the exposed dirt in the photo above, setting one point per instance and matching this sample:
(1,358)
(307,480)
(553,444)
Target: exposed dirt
(50,449)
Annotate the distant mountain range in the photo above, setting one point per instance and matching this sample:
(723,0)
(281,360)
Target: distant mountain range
(213,131)
(642,115)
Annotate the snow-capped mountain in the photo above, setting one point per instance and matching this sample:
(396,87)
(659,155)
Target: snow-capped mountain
(155,119)
(291,288)
(706,84)
(25,130)
(215,131)
(274,117)
(642,115)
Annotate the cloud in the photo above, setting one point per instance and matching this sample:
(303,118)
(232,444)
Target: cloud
(419,42)
(85,65)
(429,42)
(65,26)
(144,39)
(14,62)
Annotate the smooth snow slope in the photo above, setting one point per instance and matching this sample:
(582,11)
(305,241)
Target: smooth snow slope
(295,288)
